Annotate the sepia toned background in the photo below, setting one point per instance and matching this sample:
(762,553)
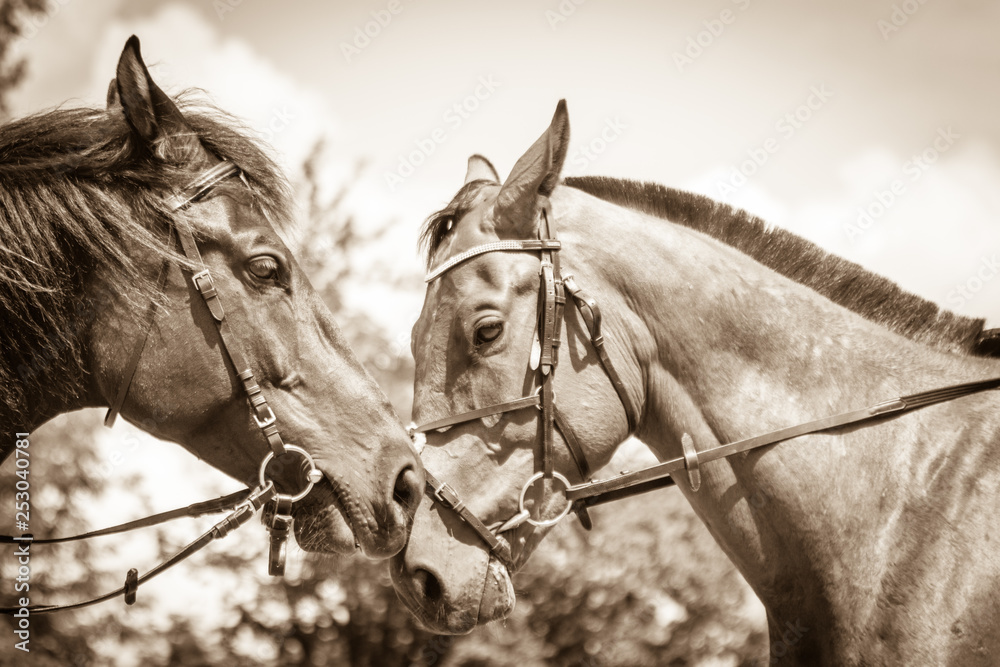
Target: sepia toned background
(869,127)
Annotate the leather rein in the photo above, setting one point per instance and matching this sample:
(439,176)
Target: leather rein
(579,497)
(243,504)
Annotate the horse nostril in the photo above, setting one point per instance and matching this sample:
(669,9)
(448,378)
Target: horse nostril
(427,584)
(406,491)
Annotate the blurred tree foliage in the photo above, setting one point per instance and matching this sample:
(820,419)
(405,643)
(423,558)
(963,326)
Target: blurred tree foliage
(648,586)
(13,15)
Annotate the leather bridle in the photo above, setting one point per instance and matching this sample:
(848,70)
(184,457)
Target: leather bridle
(545,358)
(244,503)
(589,493)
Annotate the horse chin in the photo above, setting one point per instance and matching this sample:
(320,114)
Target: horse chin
(321,523)
(498,594)
(438,616)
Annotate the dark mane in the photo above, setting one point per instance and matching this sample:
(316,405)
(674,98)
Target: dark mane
(876,298)
(78,195)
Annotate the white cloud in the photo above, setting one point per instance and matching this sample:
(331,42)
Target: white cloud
(57,46)
(289,116)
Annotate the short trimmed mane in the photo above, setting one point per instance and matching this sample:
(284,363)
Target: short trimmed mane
(848,284)
(876,298)
(77,195)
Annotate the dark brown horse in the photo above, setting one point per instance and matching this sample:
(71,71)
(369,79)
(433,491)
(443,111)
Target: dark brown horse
(876,543)
(85,219)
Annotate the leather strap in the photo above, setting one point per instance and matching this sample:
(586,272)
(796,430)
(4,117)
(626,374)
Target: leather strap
(572,444)
(594,493)
(205,285)
(579,458)
(592,317)
(496,246)
(140,344)
(239,516)
(510,406)
(448,497)
(551,294)
(194,510)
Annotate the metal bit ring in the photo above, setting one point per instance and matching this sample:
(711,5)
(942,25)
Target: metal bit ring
(543,522)
(312,476)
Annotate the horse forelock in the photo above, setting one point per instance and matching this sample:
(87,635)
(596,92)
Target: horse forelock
(874,297)
(77,194)
(440,223)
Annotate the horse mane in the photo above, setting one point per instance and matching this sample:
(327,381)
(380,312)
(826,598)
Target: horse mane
(78,194)
(874,297)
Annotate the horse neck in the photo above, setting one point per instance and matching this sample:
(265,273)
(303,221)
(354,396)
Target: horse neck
(33,403)
(727,349)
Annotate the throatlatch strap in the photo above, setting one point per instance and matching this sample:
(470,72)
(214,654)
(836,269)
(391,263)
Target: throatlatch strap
(140,344)
(572,444)
(592,317)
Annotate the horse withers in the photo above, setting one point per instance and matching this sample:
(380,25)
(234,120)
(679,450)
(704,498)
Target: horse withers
(620,307)
(90,223)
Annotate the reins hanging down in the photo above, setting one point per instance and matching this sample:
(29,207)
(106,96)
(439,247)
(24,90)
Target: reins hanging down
(581,496)
(242,512)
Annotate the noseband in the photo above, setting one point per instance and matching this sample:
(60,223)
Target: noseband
(581,496)
(244,503)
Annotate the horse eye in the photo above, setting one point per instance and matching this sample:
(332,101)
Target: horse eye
(489,332)
(264,267)
(445,225)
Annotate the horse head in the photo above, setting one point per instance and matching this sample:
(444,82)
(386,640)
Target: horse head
(103,232)
(485,338)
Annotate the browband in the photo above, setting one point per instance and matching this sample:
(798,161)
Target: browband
(496,246)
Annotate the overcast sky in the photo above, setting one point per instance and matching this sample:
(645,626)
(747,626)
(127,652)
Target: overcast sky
(829,101)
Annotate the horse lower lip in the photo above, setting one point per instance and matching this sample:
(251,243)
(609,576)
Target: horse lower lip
(323,524)
(498,597)
(373,541)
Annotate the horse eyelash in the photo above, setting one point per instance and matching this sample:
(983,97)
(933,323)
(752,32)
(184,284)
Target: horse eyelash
(445,225)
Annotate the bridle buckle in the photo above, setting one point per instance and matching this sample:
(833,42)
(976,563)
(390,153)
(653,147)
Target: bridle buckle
(447,496)
(266,421)
(209,291)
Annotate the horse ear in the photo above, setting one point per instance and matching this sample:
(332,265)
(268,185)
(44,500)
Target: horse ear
(151,114)
(481,169)
(112,99)
(535,174)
